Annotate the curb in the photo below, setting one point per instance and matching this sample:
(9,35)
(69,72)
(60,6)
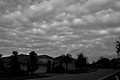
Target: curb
(108,75)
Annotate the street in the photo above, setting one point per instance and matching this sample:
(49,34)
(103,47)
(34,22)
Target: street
(82,76)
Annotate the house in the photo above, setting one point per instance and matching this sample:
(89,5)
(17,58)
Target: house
(23,60)
(59,60)
(45,58)
(45,64)
(42,61)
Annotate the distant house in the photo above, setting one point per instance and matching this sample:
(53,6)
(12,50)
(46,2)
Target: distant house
(6,61)
(23,60)
(43,63)
(45,58)
(58,60)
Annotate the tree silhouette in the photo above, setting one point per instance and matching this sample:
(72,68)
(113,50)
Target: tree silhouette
(103,62)
(93,65)
(32,62)
(49,67)
(118,48)
(14,64)
(2,67)
(81,61)
(67,59)
(114,63)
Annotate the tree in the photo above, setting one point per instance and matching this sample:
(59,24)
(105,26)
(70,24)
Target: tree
(114,63)
(49,67)
(67,59)
(14,64)
(2,68)
(104,62)
(32,62)
(81,61)
(118,48)
(93,64)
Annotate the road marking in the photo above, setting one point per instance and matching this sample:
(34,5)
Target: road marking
(108,75)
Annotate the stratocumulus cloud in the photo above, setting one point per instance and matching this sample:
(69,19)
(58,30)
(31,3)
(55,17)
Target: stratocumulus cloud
(59,26)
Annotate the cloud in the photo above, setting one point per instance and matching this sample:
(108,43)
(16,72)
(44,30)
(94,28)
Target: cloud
(36,11)
(53,7)
(2,3)
(56,37)
(93,40)
(14,16)
(97,5)
(41,8)
(107,31)
(38,31)
(109,16)
(79,22)
(96,32)
(46,8)
(58,26)
(91,6)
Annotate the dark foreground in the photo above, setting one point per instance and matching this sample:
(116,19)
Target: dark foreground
(83,76)
(115,76)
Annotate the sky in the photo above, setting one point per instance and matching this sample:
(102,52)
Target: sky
(56,27)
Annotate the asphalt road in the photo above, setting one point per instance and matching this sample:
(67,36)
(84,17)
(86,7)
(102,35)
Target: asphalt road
(83,76)
(115,76)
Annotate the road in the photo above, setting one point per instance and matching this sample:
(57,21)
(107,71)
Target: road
(115,76)
(83,76)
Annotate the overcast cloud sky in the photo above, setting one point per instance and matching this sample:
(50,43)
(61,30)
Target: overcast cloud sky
(57,27)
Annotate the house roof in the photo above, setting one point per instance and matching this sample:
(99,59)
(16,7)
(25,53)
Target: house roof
(59,59)
(45,56)
(6,59)
(23,59)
